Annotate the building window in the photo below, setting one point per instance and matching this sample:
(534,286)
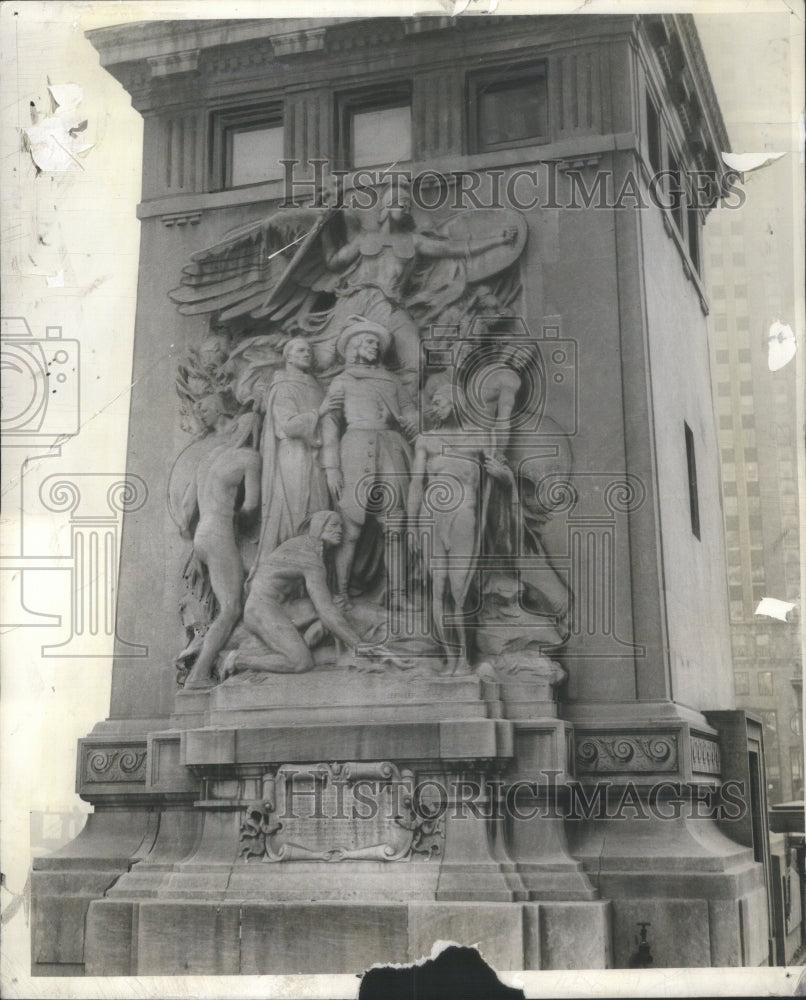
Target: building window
(653,136)
(765,683)
(796,764)
(375,126)
(693,498)
(509,107)
(247,146)
(770,720)
(693,222)
(741,682)
(681,202)
(676,192)
(740,647)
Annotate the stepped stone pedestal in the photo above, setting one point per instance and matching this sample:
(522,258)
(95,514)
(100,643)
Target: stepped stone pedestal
(362,812)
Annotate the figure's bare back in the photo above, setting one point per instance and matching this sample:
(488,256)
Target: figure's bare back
(219,477)
(497,380)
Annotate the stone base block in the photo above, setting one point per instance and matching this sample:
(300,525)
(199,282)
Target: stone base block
(702,895)
(64,884)
(254,938)
(567,935)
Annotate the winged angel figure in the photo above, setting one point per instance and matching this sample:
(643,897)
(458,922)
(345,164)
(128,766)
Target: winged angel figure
(305,271)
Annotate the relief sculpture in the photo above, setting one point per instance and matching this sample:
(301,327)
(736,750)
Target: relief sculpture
(342,473)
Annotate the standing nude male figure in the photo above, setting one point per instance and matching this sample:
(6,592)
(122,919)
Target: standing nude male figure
(219,476)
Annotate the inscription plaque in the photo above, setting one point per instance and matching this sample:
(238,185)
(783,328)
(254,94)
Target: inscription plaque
(338,812)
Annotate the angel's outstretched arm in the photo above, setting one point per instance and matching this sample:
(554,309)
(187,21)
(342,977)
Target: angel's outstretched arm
(338,257)
(427,246)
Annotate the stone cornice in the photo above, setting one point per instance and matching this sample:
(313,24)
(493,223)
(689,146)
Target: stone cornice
(165,42)
(139,40)
(677,48)
(163,63)
(696,57)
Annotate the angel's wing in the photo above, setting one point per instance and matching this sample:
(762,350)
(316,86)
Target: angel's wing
(263,269)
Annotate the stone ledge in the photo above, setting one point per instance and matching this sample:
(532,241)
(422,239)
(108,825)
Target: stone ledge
(464,739)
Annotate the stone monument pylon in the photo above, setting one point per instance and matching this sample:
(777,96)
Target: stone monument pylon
(431,637)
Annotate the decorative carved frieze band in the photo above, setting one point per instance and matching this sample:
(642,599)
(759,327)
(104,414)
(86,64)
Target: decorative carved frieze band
(705,758)
(298,42)
(173,63)
(181,219)
(619,753)
(579,163)
(105,763)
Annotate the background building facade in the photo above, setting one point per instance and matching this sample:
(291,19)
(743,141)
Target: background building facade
(749,251)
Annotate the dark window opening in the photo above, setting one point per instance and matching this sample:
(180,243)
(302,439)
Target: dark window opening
(676,192)
(693,498)
(247,146)
(653,135)
(694,236)
(509,107)
(375,126)
(755,806)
